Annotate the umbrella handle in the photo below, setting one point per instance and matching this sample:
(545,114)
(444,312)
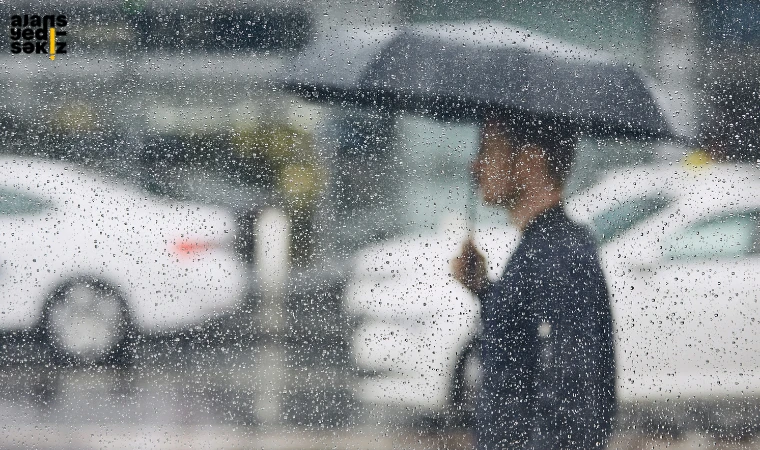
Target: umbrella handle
(472,206)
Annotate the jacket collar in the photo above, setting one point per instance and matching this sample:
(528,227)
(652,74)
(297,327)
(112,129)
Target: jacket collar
(545,220)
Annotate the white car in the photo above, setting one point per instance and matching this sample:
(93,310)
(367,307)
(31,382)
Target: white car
(679,245)
(89,262)
(680,248)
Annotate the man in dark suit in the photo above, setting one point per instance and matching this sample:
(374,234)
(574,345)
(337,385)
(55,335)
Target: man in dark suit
(547,350)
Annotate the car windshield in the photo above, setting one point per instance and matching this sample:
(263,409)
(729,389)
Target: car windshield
(13,202)
(626,214)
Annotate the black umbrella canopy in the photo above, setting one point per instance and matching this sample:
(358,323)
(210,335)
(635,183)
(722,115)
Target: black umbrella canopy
(468,70)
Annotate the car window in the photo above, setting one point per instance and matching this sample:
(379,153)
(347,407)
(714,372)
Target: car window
(727,236)
(620,218)
(14,203)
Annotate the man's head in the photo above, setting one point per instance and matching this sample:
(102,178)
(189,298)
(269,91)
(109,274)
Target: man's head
(522,158)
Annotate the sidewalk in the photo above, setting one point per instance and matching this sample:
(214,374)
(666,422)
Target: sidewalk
(64,437)
(57,437)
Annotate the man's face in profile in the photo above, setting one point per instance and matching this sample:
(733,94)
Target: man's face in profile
(495,166)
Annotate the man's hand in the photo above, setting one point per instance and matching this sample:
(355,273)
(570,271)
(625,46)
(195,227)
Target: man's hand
(469,268)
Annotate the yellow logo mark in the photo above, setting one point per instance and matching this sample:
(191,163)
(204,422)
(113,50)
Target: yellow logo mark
(52,43)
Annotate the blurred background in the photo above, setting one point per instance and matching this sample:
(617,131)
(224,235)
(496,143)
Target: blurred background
(159,111)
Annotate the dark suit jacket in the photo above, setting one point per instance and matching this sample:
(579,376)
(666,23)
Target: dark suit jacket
(549,368)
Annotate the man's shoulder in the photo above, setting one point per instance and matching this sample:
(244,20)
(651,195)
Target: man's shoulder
(581,237)
(569,237)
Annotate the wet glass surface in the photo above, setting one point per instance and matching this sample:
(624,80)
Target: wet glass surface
(197,250)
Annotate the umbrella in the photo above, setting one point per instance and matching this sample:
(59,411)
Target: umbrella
(466,70)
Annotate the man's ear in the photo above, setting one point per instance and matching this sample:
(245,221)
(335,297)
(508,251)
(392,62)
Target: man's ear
(529,160)
(532,166)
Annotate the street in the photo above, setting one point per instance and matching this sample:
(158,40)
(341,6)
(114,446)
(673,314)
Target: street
(181,394)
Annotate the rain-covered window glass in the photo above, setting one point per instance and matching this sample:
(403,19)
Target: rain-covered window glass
(625,215)
(407,175)
(728,236)
(234,224)
(436,160)
(363,180)
(14,202)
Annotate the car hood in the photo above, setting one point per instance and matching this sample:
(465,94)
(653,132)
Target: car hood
(409,277)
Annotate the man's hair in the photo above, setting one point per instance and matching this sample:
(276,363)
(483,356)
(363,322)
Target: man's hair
(557,140)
